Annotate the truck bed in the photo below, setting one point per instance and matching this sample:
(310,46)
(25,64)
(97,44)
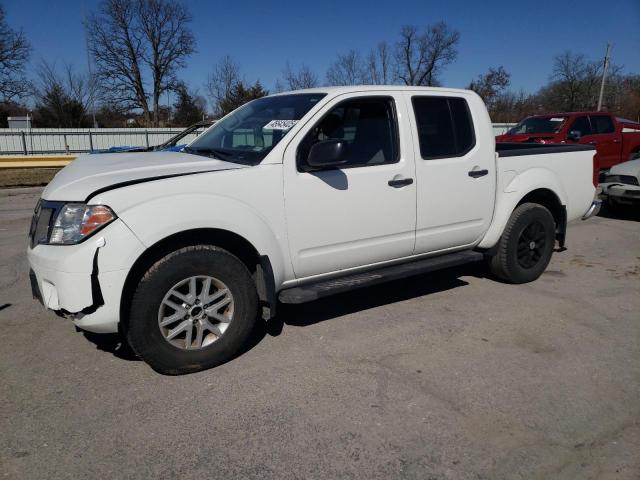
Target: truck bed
(517,149)
(565,171)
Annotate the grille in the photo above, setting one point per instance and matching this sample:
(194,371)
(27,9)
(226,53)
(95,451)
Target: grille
(625,179)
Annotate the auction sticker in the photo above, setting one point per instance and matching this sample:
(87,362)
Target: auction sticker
(280,124)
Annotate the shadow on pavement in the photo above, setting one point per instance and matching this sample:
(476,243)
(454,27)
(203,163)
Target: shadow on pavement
(113,343)
(620,212)
(323,309)
(370,297)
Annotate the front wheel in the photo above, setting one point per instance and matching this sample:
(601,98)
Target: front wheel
(192,310)
(526,245)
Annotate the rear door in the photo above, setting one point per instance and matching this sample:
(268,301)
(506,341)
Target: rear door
(455,170)
(607,140)
(364,211)
(598,130)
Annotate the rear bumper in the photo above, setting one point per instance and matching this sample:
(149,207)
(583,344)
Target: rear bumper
(593,210)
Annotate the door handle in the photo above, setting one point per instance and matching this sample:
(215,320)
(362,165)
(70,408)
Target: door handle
(593,143)
(478,173)
(616,140)
(400,182)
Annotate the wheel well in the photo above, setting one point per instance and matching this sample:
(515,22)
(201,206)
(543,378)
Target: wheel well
(232,242)
(550,200)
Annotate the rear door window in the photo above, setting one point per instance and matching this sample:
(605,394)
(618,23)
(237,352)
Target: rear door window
(445,126)
(602,124)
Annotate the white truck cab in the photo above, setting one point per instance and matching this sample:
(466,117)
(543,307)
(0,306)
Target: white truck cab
(290,198)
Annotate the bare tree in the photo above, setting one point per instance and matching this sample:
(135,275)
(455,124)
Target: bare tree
(575,83)
(221,82)
(489,85)
(304,77)
(421,57)
(379,65)
(513,107)
(570,72)
(348,69)
(165,27)
(128,38)
(62,96)
(14,55)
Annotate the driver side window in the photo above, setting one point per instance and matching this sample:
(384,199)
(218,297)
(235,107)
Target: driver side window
(367,126)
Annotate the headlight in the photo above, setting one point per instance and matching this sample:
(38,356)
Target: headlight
(77,221)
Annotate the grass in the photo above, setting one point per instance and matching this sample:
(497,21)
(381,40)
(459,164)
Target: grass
(26,177)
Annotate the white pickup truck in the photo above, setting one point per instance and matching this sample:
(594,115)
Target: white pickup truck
(290,198)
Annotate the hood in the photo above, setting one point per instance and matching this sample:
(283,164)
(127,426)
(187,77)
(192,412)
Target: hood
(632,167)
(525,137)
(89,174)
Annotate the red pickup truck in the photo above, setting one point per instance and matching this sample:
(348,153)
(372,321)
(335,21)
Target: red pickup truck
(616,139)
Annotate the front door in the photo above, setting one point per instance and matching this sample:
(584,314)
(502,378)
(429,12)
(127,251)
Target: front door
(363,211)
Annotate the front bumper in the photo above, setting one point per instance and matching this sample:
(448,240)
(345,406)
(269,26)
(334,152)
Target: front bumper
(593,210)
(84,282)
(621,193)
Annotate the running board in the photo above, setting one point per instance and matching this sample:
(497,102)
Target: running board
(313,291)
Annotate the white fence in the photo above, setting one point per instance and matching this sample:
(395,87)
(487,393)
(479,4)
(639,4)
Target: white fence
(500,128)
(38,141)
(76,140)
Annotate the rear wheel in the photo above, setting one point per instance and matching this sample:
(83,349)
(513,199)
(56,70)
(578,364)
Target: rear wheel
(526,245)
(192,310)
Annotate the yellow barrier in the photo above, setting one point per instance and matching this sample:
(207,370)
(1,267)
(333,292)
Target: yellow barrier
(31,161)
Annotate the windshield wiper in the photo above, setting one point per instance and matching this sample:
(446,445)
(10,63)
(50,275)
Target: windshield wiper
(214,153)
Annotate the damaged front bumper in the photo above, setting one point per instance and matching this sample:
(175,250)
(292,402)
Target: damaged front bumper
(84,282)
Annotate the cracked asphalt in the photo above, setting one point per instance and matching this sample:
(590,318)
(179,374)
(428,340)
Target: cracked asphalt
(446,376)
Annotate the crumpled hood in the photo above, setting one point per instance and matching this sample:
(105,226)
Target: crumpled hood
(91,173)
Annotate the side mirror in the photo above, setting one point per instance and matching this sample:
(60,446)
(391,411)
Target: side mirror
(328,153)
(574,135)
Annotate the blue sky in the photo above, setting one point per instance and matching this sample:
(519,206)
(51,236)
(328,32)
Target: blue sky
(263,35)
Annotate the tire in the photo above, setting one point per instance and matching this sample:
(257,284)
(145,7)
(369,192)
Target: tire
(530,224)
(174,280)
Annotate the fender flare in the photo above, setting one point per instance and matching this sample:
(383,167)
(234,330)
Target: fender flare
(518,188)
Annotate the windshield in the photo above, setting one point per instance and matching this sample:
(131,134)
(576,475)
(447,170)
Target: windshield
(249,133)
(538,125)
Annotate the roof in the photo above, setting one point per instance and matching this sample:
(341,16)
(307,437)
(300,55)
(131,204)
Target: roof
(570,114)
(364,88)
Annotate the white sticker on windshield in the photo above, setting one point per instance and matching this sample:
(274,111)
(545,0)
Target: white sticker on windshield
(557,119)
(280,124)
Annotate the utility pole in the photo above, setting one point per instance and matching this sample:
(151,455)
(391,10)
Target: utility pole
(604,76)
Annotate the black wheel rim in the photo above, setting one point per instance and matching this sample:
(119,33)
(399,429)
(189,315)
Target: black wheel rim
(531,245)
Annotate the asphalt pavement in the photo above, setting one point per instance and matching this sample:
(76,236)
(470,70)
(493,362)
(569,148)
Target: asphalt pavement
(445,376)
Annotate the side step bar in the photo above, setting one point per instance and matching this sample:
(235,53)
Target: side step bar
(313,291)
